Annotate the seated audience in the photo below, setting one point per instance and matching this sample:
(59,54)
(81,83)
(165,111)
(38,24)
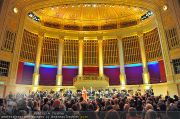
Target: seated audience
(119,106)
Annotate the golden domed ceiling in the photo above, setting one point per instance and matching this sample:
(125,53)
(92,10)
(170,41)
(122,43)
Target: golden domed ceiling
(90,14)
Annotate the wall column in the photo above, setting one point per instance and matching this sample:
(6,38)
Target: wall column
(172,86)
(164,48)
(80,71)
(4,21)
(17,49)
(100,47)
(121,61)
(146,77)
(60,59)
(38,59)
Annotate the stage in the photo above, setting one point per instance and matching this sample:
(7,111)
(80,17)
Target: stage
(159,89)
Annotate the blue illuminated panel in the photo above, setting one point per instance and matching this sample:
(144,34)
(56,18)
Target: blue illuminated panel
(48,66)
(29,64)
(70,67)
(133,65)
(74,67)
(155,62)
(42,65)
(111,67)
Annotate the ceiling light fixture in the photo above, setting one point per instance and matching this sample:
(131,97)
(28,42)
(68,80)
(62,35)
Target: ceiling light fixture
(165,7)
(15,10)
(94,5)
(135,8)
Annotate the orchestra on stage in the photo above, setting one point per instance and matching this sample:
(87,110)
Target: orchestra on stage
(87,94)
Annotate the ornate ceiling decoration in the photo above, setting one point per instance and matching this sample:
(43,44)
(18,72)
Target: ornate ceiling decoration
(90,14)
(87,14)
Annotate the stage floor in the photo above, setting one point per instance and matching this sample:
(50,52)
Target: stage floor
(159,89)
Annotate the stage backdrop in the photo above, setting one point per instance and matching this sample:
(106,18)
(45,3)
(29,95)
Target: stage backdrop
(25,74)
(90,70)
(133,73)
(162,71)
(48,76)
(113,73)
(154,72)
(68,74)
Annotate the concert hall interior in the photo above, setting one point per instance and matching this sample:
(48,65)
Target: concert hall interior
(131,45)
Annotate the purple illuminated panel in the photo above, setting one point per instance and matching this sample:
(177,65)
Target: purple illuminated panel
(113,74)
(27,75)
(134,75)
(154,73)
(47,76)
(68,75)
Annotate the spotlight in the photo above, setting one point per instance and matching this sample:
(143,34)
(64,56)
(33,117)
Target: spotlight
(147,15)
(165,7)
(31,14)
(151,13)
(135,8)
(15,10)
(94,5)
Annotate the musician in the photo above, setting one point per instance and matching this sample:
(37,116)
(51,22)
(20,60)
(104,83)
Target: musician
(101,93)
(60,92)
(97,94)
(56,95)
(114,90)
(91,92)
(107,94)
(119,94)
(51,92)
(138,92)
(37,94)
(45,93)
(149,91)
(84,94)
(68,94)
(79,93)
